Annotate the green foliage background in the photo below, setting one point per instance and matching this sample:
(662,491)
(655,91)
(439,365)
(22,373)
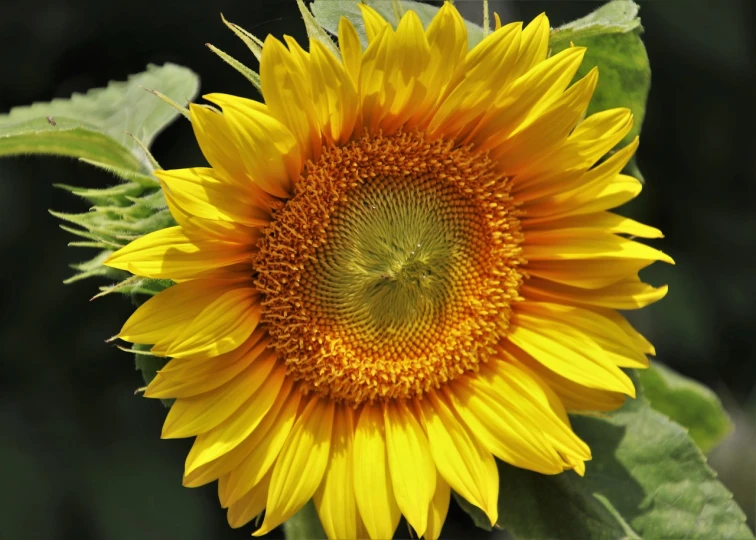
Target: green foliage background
(81,455)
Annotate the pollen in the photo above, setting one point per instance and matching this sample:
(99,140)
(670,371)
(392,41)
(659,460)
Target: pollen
(393,268)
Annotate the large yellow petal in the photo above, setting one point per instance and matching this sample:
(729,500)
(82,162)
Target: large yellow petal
(372,482)
(574,396)
(458,455)
(518,389)
(204,193)
(236,428)
(251,504)
(170,254)
(569,352)
(217,144)
(447,40)
(334,499)
(374,22)
(595,273)
(283,77)
(488,68)
(221,326)
(351,49)
(161,317)
(334,94)
(270,153)
(438,509)
(391,83)
(522,153)
(527,97)
(617,345)
(599,188)
(584,243)
(198,475)
(413,474)
(630,293)
(534,45)
(603,221)
(198,375)
(300,465)
(262,452)
(201,413)
(504,431)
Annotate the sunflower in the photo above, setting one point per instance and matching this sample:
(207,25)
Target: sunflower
(398,268)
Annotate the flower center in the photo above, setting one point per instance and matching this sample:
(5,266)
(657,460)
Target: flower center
(392,269)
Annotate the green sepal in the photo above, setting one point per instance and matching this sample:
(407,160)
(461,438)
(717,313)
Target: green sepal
(304,525)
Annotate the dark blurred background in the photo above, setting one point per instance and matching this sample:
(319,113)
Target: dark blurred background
(80,455)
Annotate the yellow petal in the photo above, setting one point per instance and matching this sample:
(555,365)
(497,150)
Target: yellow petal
(458,455)
(438,509)
(374,22)
(391,82)
(447,38)
(617,345)
(334,94)
(223,325)
(523,152)
(164,315)
(372,483)
(170,254)
(250,505)
(630,293)
(195,475)
(599,188)
(261,453)
(202,374)
(488,70)
(527,97)
(351,49)
(334,499)
(199,414)
(283,77)
(504,431)
(413,474)
(517,388)
(574,396)
(568,244)
(204,193)
(300,465)
(217,144)
(269,151)
(568,352)
(534,45)
(604,221)
(233,431)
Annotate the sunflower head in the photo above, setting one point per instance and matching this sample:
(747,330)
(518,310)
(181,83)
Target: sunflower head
(397,267)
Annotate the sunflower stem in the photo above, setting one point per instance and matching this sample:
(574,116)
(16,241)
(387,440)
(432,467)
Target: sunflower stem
(486,19)
(304,525)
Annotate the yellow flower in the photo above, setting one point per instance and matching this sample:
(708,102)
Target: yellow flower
(398,267)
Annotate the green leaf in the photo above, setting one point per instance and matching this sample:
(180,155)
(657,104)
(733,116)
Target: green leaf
(96,125)
(304,525)
(64,137)
(612,36)
(688,403)
(328,13)
(647,479)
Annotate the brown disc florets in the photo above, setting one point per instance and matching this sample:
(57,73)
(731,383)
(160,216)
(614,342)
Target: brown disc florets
(392,269)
